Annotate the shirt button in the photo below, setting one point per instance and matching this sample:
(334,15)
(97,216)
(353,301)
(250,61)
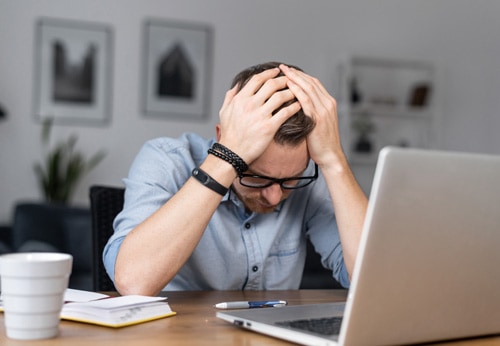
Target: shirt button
(248,225)
(255,268)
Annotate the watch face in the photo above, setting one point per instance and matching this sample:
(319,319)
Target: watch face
(206,180)
(203,178)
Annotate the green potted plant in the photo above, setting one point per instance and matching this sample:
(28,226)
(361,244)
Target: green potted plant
(62,167)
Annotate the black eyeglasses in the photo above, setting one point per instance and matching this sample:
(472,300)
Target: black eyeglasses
(260,181)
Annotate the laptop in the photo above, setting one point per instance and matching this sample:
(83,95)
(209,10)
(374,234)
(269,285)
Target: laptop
(428,267)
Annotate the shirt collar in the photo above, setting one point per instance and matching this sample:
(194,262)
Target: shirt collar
(230,196)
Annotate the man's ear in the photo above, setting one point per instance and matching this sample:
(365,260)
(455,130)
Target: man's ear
(217,132)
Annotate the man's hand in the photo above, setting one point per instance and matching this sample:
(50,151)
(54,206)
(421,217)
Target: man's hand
(247,124)
(324,141)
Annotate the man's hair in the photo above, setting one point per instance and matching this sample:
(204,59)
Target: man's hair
(298,126)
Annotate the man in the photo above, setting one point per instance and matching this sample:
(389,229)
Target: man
(238,218)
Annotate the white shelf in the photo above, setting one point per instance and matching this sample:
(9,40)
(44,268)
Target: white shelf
(390,111)
(395,97)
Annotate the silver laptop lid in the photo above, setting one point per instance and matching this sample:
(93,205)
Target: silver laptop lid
(428,265)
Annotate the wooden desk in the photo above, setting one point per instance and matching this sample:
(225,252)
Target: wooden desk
(194,324)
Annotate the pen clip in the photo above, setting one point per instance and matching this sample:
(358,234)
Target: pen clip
(267,304)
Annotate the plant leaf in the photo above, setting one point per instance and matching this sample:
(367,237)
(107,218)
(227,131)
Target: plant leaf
(63,166)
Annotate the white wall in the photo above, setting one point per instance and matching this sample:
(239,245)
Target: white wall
(459,36)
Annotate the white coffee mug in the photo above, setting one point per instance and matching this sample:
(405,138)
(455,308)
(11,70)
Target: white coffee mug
(33,286)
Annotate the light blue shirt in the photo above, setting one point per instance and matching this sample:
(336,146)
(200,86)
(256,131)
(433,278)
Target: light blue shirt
(238,250)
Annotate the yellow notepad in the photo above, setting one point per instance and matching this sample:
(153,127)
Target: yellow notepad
(117,312)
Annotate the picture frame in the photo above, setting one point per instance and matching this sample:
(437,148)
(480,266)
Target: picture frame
(176,69)
(73,71)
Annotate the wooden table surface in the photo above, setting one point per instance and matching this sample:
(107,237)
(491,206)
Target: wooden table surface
(194,324)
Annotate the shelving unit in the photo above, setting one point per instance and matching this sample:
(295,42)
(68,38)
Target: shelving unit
(391,98)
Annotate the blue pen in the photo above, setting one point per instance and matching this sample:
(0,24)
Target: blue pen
(251,305)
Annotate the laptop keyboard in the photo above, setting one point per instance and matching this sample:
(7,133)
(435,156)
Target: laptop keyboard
(324,326)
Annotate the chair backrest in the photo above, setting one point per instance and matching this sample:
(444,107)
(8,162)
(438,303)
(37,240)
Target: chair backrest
(315,276)
(105,203)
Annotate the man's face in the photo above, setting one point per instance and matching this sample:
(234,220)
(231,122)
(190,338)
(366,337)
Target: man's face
(277,161)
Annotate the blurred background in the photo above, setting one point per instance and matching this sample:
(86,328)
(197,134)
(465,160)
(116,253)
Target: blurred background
(455,40)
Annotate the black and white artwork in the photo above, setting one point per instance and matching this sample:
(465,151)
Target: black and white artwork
(72,65)
(177,65)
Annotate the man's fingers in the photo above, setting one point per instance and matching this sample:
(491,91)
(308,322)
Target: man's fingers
(305,100)
(229,96)
(285,113)
(257,81)
(277,100)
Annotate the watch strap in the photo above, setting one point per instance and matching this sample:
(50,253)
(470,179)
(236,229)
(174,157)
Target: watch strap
(208,181)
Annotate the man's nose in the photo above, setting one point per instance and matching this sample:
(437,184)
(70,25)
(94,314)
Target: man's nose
(272,194)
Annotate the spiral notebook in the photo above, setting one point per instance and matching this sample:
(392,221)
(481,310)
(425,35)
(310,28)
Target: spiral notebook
(116,312)
(109,311)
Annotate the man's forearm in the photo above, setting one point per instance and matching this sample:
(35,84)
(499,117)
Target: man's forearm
(350,204)
(154,251)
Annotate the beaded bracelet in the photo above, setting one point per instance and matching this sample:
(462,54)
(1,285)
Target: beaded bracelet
(227,155)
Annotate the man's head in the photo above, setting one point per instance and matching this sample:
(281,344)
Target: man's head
(286,156)
(297,127)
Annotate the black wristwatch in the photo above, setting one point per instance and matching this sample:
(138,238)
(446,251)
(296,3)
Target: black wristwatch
(208,181)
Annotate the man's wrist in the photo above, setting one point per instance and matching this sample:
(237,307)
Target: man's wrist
(205,179)
(224,153)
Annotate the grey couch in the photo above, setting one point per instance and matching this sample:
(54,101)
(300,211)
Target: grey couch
(53,227)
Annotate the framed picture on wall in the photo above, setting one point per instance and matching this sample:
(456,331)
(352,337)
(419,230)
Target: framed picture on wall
(73,71)
(177,69)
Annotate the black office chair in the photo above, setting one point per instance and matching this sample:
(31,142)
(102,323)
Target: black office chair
(105,203)
(315,276)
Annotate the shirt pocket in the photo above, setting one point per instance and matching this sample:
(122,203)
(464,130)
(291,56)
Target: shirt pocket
(285,263)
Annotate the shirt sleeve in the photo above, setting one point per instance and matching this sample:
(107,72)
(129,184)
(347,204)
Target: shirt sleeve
(159,170)
(322,230)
